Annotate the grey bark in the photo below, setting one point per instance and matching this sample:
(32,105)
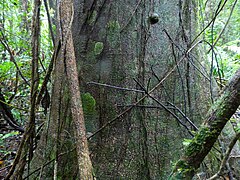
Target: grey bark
(115,44)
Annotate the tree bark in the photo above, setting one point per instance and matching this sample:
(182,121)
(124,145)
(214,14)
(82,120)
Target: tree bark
(68,55)
(115,43)
(204,140)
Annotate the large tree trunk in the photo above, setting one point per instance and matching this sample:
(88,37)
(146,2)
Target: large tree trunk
(115,43)
(204,140)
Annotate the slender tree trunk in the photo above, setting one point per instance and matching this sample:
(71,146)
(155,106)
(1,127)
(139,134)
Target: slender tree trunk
(68,55)
(26,147)
(204,140)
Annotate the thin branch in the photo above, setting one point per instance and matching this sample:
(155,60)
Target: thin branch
(137,102)
(204,75)
(165,108)
(12,58)
(181,78)
(224,28)
(188,52)
(155,75)
(160,107)
(215,55)
(216,14)
(188,120)
(115,87)
(130,18)
(146,106)
(48,74)
(49,22)
(15,88)
(10,105)
(226,157)
(7,114)
(47,163)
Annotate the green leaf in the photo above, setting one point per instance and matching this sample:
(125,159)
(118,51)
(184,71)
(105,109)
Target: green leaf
(186,142)
(10,134)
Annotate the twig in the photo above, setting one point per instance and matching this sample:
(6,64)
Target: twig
(188,120)
(181,78)
(155,75)
(7,114)
(216,14)
(47,163)
(136,103)
(146,106)
(204,75)
(130,18)
(26,110)
(12,58)
(15,88)
(164,107)
(49,22)
(48,74)
(115,87)
(188,52)
(226,157)
(224,28)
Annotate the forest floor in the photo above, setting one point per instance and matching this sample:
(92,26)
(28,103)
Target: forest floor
(9,142)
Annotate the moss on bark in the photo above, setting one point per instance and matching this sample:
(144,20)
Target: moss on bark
(204,140)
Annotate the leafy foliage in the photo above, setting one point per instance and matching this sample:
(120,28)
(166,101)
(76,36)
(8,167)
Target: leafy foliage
(224,33)
(15,60)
